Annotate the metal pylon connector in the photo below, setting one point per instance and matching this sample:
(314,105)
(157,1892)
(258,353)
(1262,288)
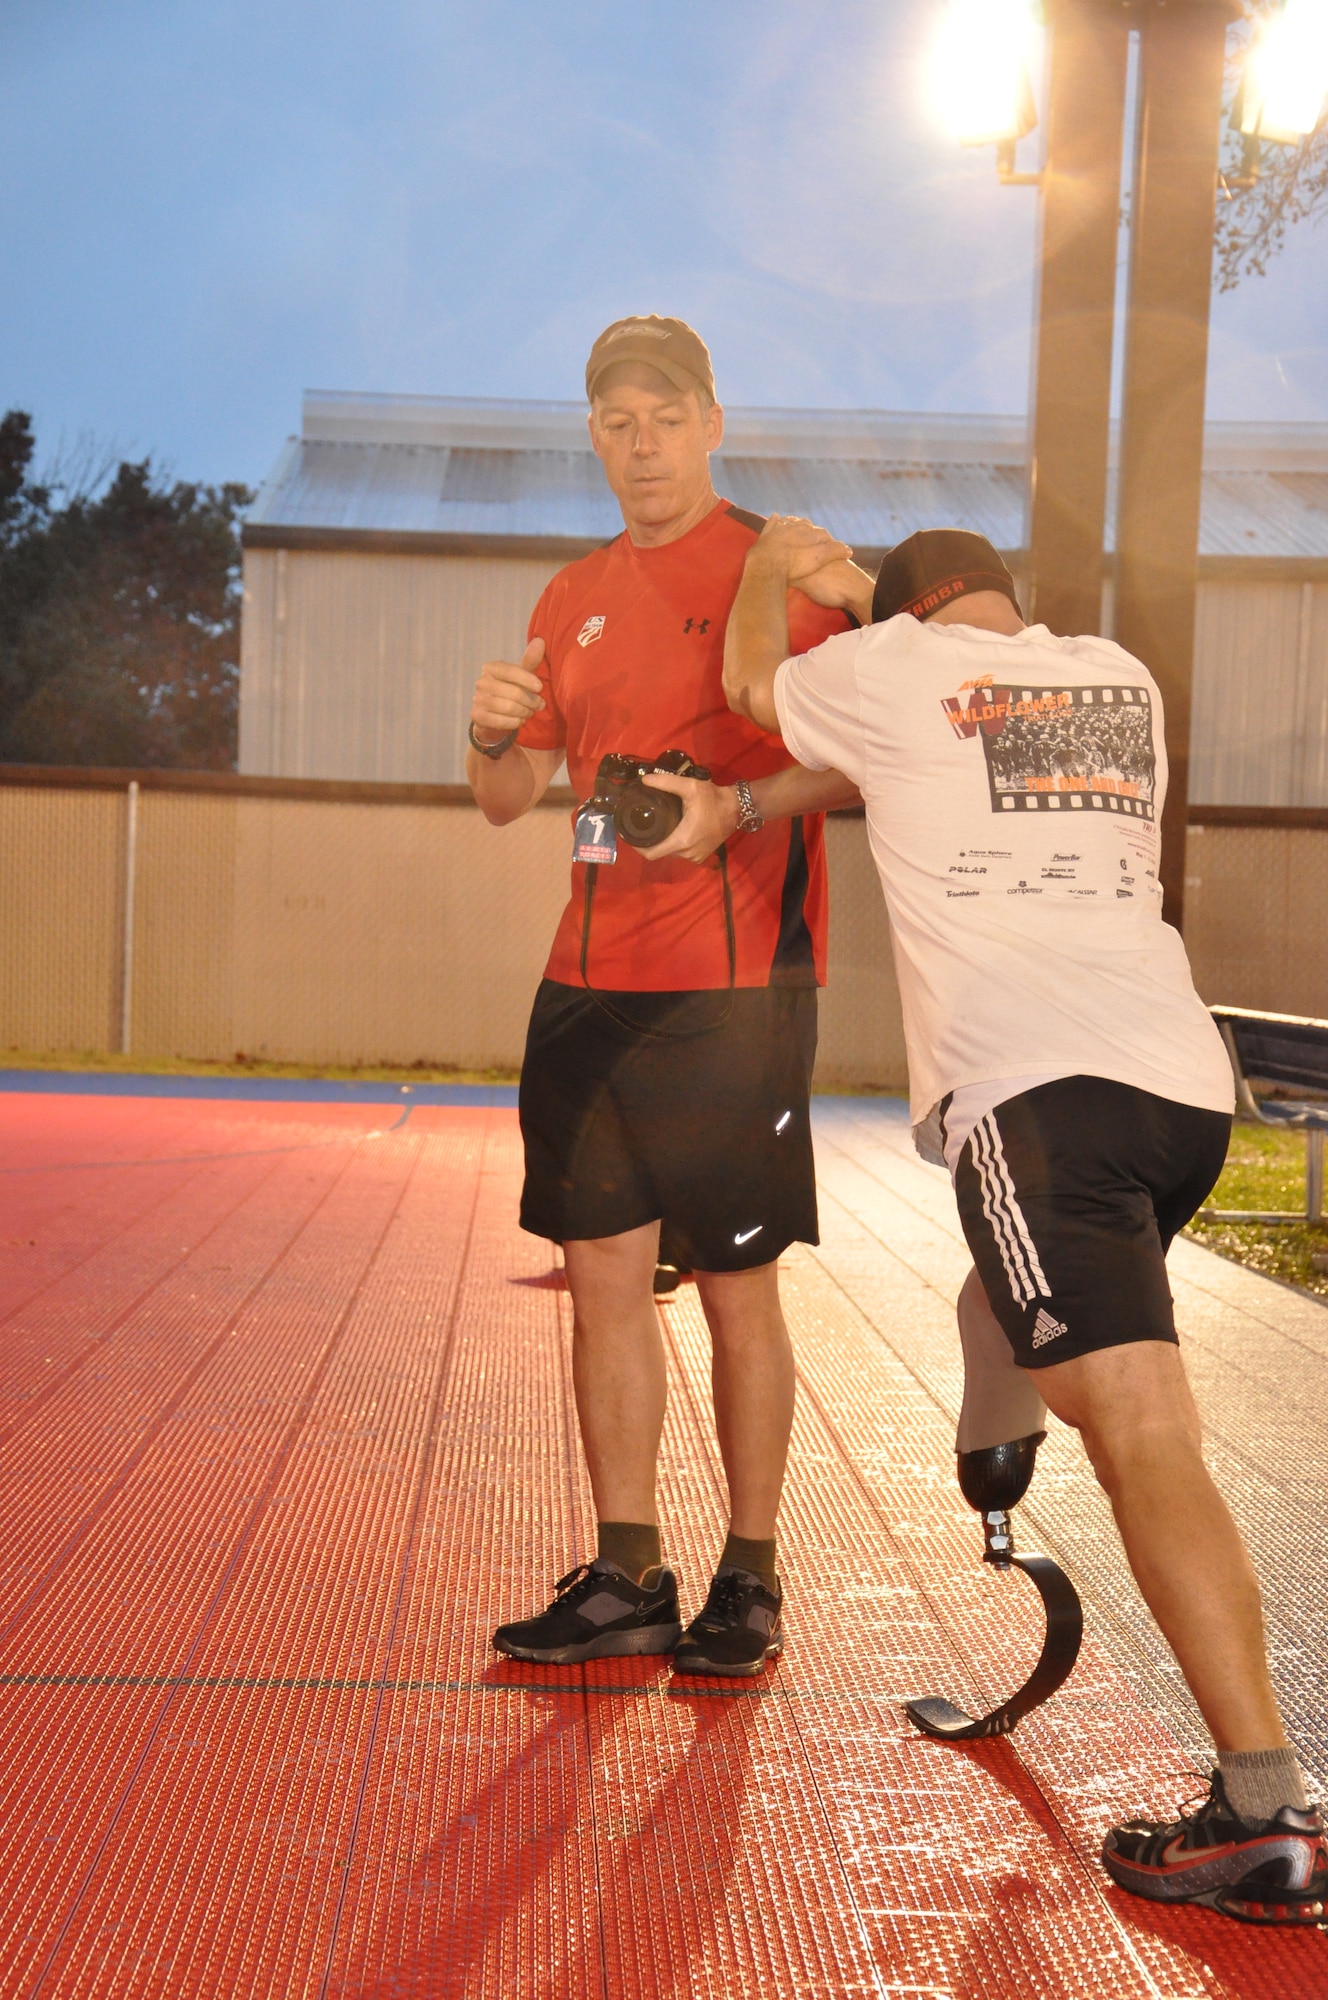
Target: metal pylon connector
(998,1537)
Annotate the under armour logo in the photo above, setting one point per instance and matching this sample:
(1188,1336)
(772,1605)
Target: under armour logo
(702,625)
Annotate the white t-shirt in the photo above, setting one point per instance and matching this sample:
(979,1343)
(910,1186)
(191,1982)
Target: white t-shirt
(1014,789)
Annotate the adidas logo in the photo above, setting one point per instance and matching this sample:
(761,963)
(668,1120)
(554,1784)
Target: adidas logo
(1046,1328)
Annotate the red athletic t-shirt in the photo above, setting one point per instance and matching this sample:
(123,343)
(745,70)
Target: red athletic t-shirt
(633,662)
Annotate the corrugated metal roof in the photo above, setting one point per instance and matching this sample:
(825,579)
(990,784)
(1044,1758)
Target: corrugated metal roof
(873,504)
(439,489)
(456,467)
(1264,514)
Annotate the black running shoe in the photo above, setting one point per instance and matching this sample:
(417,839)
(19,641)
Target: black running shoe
(597,1613)
(738,1631)
(1272,1871)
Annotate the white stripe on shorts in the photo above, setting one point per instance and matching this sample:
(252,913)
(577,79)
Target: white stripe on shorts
(1000,1205)
(999,1223)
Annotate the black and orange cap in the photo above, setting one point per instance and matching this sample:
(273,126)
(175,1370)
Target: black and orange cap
(670,345)
(934,567)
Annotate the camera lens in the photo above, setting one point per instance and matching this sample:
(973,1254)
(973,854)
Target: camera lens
(646,816)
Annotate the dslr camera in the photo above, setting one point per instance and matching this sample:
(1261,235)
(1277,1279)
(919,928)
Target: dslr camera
(643,816)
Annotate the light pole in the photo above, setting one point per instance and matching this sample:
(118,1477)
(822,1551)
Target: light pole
(1078,230)
(1177,129)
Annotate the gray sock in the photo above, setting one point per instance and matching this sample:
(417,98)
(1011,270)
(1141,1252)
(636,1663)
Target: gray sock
(1257,1782)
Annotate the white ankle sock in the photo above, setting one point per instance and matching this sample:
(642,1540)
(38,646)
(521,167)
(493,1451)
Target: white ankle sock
(1257,1782)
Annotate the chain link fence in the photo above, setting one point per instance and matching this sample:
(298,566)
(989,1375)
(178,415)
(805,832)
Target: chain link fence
(201,916)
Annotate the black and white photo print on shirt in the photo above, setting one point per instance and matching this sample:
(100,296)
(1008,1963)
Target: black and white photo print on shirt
(1053,749)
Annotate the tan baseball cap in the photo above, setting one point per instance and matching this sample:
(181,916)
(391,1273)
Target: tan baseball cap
(670,345)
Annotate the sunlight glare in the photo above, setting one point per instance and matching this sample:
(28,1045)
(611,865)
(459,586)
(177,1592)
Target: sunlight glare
(1286,77)
(979,70)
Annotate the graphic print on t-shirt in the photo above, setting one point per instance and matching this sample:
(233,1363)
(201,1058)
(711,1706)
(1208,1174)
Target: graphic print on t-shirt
(1052,749)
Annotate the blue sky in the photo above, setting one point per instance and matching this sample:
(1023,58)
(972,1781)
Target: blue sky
(206,209)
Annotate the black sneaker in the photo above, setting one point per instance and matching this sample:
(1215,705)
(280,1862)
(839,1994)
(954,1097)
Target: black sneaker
(738,1631)
(597,1613)
(1272,1871)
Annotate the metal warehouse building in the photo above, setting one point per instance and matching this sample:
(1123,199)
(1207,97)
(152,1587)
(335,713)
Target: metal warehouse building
(402,539)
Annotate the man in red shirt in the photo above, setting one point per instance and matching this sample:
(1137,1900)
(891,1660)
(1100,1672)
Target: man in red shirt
(669,1057)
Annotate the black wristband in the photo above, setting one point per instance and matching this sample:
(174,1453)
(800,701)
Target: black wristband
(498,749)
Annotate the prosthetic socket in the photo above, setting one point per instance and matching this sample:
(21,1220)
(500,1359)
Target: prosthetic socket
(1001,1423)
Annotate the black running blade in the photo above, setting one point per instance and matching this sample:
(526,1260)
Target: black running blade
(936,1716)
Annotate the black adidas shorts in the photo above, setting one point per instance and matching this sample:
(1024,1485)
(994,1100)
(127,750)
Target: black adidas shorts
(709,1132)
(1069,1196)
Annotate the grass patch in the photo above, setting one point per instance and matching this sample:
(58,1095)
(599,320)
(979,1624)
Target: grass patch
(243,1065)
(1266,1169)
(858,1090)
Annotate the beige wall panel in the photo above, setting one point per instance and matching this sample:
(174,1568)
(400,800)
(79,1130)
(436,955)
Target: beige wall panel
(391,934)
(1260,694)
(1256,917)
(1311,767)
(362,666)
(61,918)
(862,1033)
(183,1002)
(261,623)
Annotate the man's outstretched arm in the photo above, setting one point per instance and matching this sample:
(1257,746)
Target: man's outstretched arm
(711,812)
(789,553)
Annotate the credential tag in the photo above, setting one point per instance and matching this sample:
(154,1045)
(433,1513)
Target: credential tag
(596,835)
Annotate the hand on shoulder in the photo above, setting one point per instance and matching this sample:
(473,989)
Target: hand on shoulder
(814,561)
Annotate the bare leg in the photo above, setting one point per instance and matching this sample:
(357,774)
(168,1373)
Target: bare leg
(1134,1409)
(752,1376)
(618,1368)
(1001,1400)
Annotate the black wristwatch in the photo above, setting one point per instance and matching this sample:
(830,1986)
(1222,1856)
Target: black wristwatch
(750,817)
(498,749)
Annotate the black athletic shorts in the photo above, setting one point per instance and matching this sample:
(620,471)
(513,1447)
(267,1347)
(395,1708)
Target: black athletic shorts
(707,1131)
(1069,1196)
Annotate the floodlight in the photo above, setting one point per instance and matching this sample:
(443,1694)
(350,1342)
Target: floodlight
(1286,75)
(979,71)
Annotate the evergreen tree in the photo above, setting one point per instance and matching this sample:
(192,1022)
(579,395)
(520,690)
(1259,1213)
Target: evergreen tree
(119,617)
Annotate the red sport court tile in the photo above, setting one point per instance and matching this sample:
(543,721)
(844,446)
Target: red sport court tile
(286,1428)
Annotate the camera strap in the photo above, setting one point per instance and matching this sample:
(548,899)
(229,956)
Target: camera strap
(638,1027)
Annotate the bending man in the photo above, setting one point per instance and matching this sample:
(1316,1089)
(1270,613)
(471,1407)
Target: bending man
(1062,1062)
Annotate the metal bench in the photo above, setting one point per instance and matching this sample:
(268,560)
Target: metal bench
(1288,1050)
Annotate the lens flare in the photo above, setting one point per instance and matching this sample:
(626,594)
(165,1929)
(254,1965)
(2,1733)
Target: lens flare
(979,70)
(1286,76)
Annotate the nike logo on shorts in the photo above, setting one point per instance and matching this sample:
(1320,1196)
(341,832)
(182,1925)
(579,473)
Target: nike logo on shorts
(748,1234)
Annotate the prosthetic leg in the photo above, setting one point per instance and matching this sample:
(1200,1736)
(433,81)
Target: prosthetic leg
(1000,1429)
